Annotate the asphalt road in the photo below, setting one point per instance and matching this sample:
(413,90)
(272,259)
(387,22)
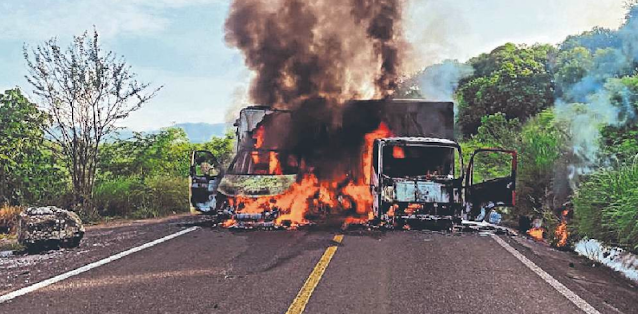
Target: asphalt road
(218,271)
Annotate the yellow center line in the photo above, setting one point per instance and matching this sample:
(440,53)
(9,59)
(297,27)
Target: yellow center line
(299,304)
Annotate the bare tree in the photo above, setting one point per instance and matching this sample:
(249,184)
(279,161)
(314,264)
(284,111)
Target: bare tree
(85,91)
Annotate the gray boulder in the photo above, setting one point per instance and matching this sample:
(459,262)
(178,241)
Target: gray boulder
(44,227)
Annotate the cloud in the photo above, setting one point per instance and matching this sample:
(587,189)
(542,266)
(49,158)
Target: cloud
(460,29)
(174,3)
(36,20)
(184,98)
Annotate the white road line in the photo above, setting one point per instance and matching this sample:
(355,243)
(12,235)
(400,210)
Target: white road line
(571,296)
(50,281)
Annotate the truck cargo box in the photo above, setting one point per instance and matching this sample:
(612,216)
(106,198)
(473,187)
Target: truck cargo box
(404,117)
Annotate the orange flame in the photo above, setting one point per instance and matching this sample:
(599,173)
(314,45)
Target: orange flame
(398,152)
(412,208)
(229,223)
(561,233)
(309,193)
(274,166)
(392,210)
(536,233)
(381,132)
(259,136)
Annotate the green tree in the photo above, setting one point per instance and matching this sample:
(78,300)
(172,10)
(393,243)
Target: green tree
(28,171)
(147,175)
(621,141)
(513,80)
(221,147)
(85,91)
(597,38)
(164,153)
(571,67)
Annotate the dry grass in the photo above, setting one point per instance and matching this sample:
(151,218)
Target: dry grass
(9,219)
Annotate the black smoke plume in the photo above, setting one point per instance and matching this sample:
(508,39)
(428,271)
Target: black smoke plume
(312,57)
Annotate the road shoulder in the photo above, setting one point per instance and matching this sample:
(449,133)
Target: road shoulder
(604,289)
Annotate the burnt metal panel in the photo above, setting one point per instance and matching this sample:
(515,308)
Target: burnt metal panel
(431,192)
(405,190)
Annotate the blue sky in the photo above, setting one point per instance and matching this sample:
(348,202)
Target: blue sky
(180,43)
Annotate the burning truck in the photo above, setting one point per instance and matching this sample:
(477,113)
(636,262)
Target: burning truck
(390,163)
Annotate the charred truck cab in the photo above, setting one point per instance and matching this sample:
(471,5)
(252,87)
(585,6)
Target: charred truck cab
(424,180)
(417,179)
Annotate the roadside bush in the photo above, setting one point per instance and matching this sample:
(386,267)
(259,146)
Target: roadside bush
(167,195)
(146,176)
(606,206)
(9,219)
(130,197)
(539,151)
(119,196)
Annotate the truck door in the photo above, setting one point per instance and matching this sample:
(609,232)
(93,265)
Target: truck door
(491,177)
(375,185)
(204,178)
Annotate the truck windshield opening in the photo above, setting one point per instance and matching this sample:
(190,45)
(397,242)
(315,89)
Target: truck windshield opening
(264,162)
(417,161)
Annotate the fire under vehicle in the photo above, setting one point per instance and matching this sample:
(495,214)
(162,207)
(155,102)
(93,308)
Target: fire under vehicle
(416,171)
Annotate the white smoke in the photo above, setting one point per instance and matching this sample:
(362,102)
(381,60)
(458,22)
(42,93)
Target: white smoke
(598,100)
(439,81)
(240,101)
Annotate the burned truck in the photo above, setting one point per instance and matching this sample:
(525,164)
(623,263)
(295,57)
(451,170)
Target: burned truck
(418,174)
(416,171)
(255,171)
(421,179)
